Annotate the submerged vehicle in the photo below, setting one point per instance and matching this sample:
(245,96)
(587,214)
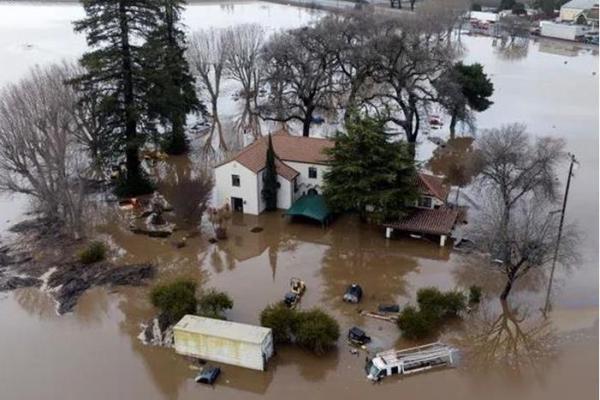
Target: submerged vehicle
(297,289)
(413,359)
(208,375)
(353,294)
(358,336)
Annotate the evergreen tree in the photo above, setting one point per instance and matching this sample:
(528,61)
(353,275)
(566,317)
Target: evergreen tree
(269,192)
(462,90)
(116,30)
(172,94)
(369,173)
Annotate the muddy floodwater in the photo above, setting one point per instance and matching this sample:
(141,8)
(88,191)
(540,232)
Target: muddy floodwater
(94,352)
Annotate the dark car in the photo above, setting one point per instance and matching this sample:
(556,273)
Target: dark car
(353,294)
(290,299)
(208,375)
(358,336)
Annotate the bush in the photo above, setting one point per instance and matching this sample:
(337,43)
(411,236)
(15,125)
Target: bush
(313,330)
(280,319)
(476,7)
(94,252)
(435,308)
(474,295)
(213,303)
(175,299)
(417,324)
(316,330)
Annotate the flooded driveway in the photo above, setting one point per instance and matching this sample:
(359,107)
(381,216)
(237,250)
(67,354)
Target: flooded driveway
(94,352)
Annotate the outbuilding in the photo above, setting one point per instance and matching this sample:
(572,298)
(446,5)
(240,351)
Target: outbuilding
(227,342)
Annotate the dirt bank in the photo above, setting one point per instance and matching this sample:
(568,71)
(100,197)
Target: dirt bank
(39,257)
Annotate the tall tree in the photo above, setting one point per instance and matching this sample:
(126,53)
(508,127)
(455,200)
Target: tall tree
(116,31)
(269,191)
(299,72)
(462,90)
(368,173)
(172,94)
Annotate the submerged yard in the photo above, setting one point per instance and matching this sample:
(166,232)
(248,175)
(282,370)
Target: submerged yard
(94,352)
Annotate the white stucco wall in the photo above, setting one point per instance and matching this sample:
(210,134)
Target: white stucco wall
(246,191)
(569,14)
(304,182)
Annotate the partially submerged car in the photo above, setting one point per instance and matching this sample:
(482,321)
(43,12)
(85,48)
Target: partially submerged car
(357,336)
(353,294)
(208,375)
(297,289)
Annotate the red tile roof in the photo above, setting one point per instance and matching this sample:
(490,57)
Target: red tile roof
(438,221)
(431,185)
(287,148)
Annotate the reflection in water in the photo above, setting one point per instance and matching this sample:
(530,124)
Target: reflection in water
(512,49)
(512,342)
(457,161)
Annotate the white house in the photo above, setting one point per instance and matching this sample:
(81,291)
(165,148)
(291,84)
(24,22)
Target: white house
(300,165)
(570,11)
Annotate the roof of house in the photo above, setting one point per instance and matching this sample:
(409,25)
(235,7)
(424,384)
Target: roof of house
(591,14)
(580,4)
(439,221)
(310,206)
(222,329)
(431,185)
(287,148)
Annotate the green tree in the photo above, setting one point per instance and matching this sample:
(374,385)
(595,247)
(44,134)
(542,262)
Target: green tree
(114,73)
(369,173)
(213,303)
(316,330)
(172,94)
(462,90)
(175,299)
(269,191)
(506,5)
(280,318)
(549,6)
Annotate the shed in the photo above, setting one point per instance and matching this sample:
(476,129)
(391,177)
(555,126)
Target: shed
(439,222)
(228,342)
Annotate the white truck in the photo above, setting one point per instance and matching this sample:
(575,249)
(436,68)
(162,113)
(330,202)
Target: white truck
(414,359)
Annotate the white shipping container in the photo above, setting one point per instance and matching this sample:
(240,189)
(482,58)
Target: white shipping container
(562,31)
(228,342)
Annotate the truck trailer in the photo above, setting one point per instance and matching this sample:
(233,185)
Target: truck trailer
(227,342)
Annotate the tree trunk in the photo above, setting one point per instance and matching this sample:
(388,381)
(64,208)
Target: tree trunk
(507,289)
(306,125)
(453,122)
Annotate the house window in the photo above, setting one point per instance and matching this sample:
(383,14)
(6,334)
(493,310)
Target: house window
(235,180)
(425,202)
(312,172)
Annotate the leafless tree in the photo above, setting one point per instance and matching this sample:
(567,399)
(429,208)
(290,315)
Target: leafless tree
(519,180)
(299,76)
(40,155)
(244,43)
(207,55)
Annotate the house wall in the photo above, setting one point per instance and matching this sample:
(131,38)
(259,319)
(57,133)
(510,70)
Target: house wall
(569,14)
(304,182)
(247,190)
(284,193)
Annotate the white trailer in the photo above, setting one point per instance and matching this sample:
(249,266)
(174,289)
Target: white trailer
(563,31)
(227,342)
(414,359)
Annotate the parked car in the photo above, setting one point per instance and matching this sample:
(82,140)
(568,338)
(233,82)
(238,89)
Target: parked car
(358,336)
(353,294)
(208,375)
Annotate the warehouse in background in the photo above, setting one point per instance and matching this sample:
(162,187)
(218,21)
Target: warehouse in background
(227,342)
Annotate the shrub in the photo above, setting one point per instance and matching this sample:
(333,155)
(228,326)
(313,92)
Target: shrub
(316,330)
(474,295)
(417,324)
(175,299)
(280,319)
(94,252)
(213,303)
(476,7)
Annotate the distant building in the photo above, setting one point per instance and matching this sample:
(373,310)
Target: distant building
(572,10)
(563,31)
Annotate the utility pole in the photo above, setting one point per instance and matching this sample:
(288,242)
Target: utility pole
(560,229)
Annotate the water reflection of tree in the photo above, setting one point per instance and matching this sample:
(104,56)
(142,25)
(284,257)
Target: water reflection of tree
(359,255)
(513,48)
(457,161)
(511,342)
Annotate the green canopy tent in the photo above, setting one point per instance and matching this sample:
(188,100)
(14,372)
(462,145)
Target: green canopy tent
(311,206)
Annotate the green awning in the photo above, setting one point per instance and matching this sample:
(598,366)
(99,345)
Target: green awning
(311,206)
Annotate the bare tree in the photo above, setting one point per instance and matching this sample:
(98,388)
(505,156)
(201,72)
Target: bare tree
(207,55)
(39,152)
(299,75)
(244,43)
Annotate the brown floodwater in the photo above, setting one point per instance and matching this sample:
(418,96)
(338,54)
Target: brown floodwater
(509,352)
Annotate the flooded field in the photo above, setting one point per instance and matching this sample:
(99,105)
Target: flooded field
(94,352)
